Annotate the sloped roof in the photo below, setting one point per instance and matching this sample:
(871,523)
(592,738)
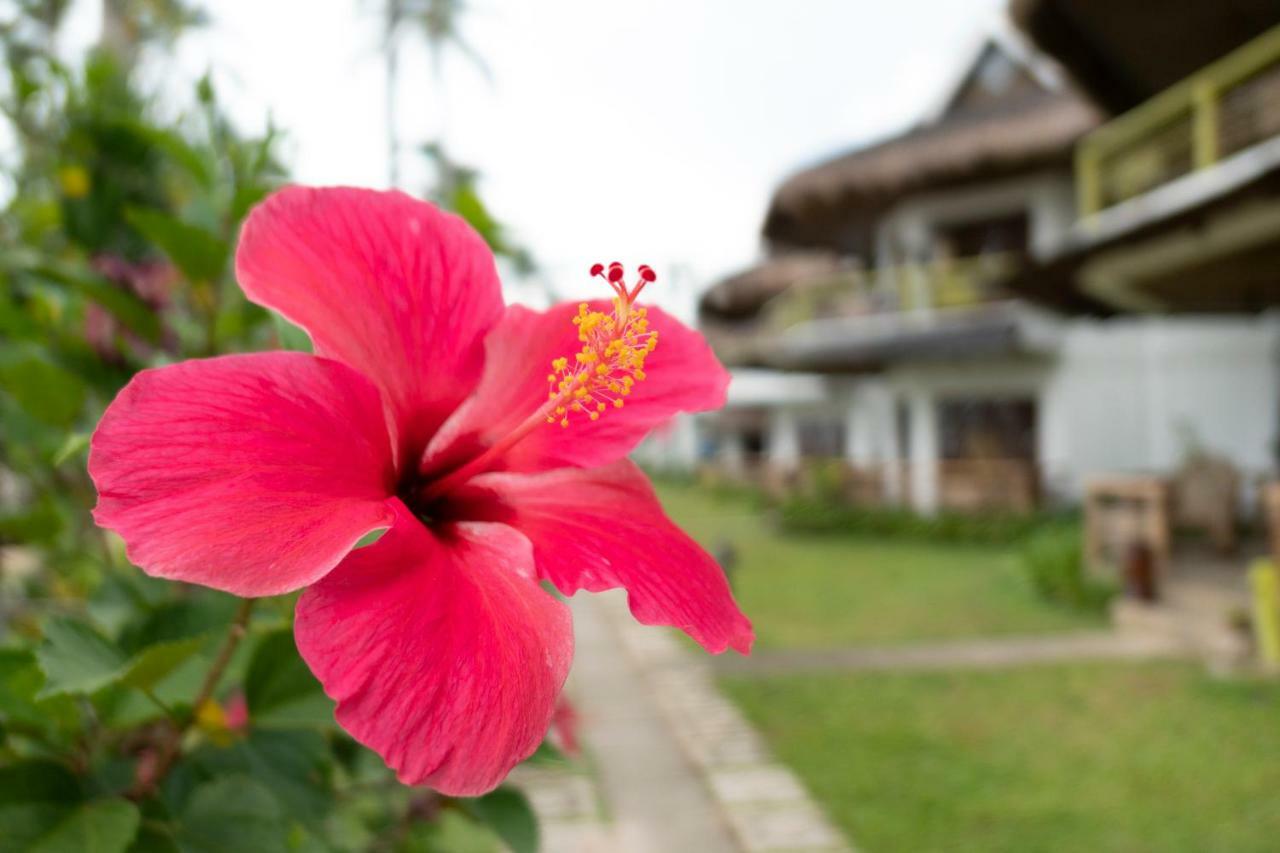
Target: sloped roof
(1035,129)
(742,294)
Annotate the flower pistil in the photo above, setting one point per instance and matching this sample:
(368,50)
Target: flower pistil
(614,348)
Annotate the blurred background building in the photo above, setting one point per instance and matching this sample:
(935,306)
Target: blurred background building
(1069,269)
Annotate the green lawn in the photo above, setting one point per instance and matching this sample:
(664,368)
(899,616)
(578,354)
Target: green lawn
(806,591)
(1102,757)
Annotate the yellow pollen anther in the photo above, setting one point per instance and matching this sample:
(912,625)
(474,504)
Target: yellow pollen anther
(615,342)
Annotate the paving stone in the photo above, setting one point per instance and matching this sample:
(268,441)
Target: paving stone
(762,783)
(740,749)
(560,836)
(791,826)
(571,796)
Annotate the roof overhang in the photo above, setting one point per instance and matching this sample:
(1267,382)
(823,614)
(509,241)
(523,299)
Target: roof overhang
(750,387)
(1123,52)
(864,344)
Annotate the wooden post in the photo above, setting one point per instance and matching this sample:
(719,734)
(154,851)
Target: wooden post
(1088,179)
(1204,124)
(1265,581)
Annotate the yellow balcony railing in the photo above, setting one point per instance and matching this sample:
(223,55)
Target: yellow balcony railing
(1222,109)
(945,283)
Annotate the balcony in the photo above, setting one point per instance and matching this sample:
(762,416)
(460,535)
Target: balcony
(920,288)
(1223,110)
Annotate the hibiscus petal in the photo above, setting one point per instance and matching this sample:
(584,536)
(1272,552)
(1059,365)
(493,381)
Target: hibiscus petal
(441,650)
(253,474)
(683,375)
(603,528)
(393,286)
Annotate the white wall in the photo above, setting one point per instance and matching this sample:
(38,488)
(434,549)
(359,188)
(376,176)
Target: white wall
(1118,395)
(1127,394)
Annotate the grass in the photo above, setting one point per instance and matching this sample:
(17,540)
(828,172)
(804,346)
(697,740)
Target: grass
(808,591)
(1101,757)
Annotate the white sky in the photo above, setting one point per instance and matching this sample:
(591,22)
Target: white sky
(646,132)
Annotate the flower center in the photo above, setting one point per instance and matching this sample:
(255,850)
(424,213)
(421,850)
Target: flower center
(598,377)
(611,361)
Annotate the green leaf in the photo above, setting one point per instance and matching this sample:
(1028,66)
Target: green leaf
(101,826)
(76,443)
(194,162)
(37,781)
(294,765)
(20,681)
(49,393)
(76,658)
(201,614)
(279,688)
(38,523)
(25,823)
(291,337)
(507,812)
(120,303)
(371,537)
(201,255)
(154,663)
(34,797)
(233,812)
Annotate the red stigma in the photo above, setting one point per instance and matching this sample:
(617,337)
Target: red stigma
(615,276)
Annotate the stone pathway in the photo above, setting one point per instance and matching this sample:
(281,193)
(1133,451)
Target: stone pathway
(671,766)
(960,654)
(741,789)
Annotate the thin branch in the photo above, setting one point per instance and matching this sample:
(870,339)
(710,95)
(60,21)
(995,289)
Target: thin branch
(169,747)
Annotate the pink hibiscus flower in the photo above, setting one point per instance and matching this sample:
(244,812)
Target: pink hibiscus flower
(488,442)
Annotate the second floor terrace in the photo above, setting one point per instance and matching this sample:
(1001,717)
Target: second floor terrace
(1225,116)
(849,318)
(1178,196)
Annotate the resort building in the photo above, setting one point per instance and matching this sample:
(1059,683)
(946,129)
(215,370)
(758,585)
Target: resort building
(935,325)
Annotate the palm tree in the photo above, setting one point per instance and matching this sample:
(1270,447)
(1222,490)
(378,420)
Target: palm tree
(128,24)
(437,21)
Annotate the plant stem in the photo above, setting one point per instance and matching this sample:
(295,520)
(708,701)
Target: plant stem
(239,626)
(169,746)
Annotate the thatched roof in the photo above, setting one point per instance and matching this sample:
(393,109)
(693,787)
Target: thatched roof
(741,295)
(815,207)
(1123,52)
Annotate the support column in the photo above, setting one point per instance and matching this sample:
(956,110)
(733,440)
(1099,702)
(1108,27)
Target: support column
(782,450)
(733,454)
(892,453)
(923,441)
